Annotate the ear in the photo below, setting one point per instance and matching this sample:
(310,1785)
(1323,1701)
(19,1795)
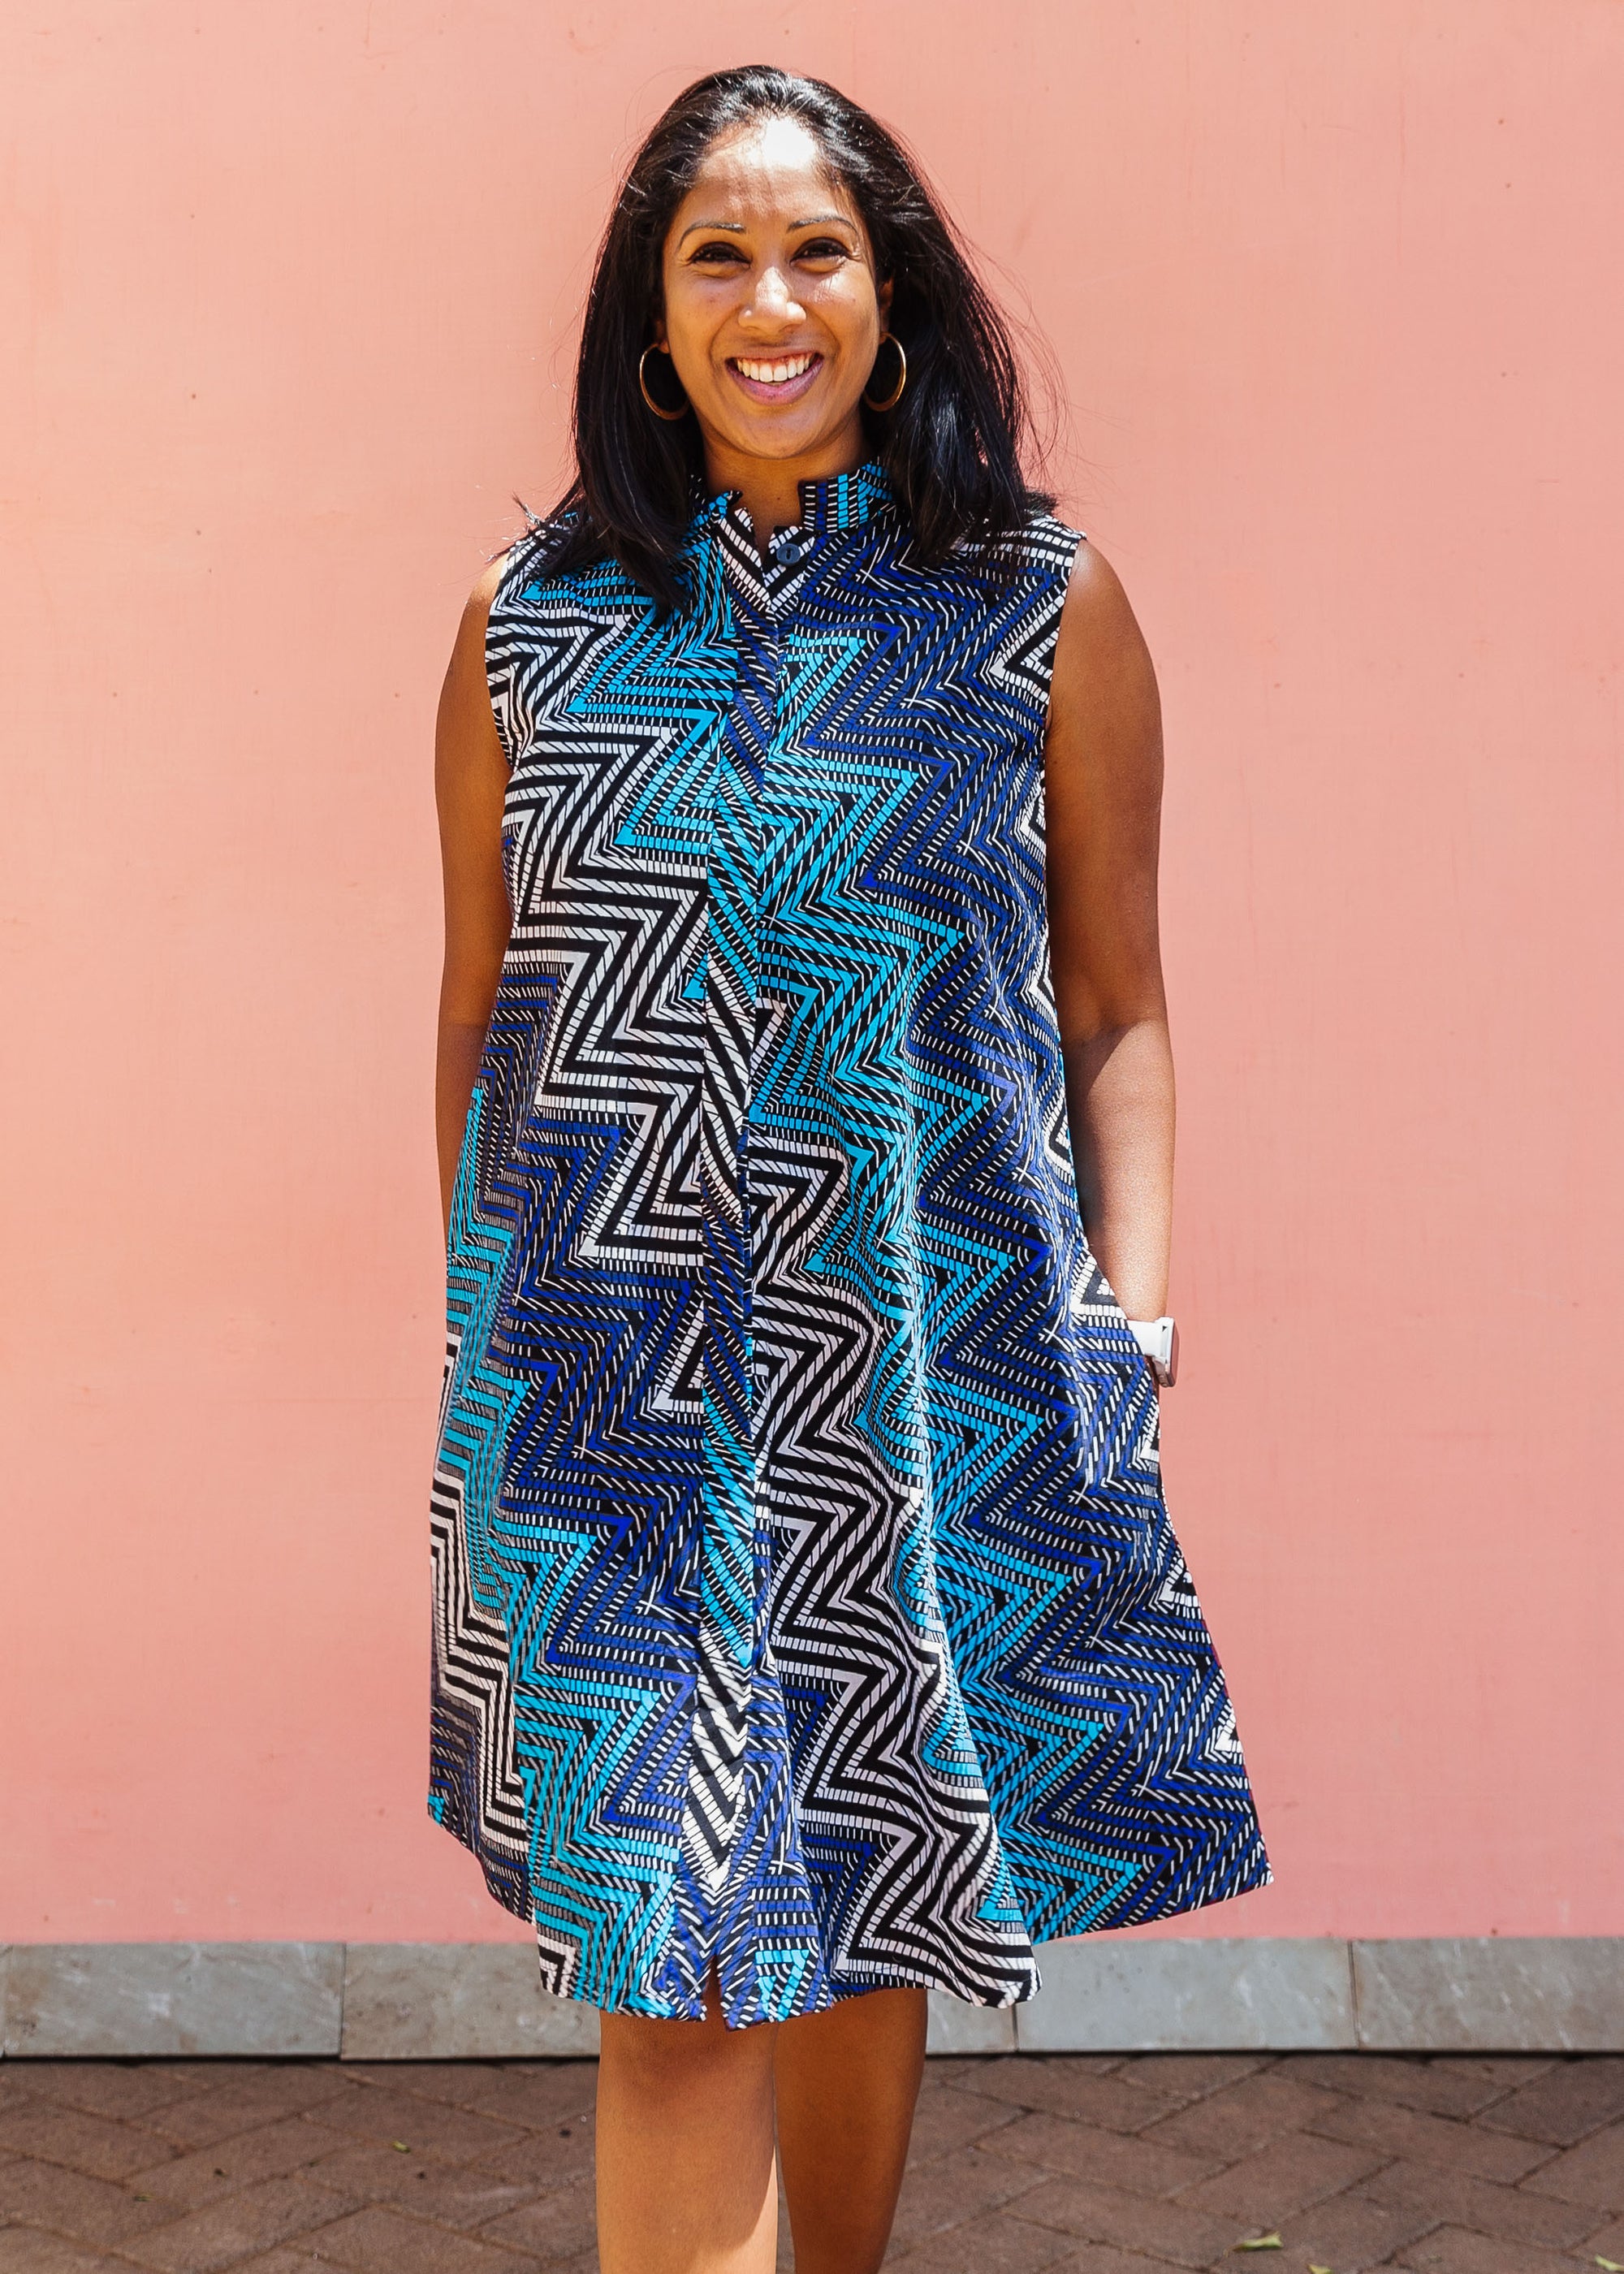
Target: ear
(660,341)
(883,296)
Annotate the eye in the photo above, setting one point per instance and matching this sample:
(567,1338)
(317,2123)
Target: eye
(823,248)
(714,251)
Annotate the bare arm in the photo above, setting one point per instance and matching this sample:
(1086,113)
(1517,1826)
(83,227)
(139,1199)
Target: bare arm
(1103,792)
(471,777)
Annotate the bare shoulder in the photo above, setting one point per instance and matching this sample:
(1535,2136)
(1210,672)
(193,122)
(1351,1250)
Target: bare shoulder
(467,739)
(1101,659)
(1102,757)
(477,610)
(486,583)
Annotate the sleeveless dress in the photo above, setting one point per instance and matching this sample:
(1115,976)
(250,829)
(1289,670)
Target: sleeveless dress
(805,1602)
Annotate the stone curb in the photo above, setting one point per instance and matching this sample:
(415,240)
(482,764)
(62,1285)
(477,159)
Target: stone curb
(449,2002)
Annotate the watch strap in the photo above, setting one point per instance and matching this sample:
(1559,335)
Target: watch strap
(1158,1339)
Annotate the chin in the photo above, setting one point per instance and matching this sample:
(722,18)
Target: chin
(788,434)
(771,441)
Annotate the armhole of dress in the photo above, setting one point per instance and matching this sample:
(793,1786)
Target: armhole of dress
(1074,541)
(498,669)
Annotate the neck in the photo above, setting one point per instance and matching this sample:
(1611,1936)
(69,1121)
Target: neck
(769,489)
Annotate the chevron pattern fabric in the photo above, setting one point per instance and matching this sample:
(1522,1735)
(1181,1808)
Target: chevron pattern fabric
(805,1600)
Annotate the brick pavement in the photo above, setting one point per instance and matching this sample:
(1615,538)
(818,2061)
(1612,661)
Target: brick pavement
(1064,2164)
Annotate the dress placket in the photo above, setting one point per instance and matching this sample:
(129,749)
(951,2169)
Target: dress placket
(732,1579)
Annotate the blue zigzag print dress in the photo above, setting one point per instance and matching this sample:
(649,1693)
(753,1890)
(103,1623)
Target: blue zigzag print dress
(805,1601)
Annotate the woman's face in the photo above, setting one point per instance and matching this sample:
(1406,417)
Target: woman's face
(772,312)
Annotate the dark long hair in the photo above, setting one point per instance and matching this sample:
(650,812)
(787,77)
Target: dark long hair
(951,448)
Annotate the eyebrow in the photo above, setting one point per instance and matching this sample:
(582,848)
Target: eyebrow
(736,228)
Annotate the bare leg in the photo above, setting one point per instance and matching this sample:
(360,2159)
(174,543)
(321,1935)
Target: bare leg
(685,2171)
(847,2084)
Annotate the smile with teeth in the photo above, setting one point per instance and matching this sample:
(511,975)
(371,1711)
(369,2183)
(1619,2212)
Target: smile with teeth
(777,374)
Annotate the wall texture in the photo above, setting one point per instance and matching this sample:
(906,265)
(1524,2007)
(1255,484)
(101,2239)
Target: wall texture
(1333,291)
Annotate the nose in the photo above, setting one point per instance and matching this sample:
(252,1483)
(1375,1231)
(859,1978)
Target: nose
(773,306)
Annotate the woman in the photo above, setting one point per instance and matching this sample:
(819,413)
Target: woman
(810,1631)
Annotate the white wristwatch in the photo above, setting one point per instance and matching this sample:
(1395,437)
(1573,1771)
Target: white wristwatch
(1158,1339)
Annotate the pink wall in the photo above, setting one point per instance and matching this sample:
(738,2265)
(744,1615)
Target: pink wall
(1336,291)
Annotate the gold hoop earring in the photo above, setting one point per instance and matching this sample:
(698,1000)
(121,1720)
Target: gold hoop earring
(643,382)
(895,396)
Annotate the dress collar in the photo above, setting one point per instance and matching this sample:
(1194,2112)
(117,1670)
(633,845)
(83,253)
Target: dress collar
(838,501)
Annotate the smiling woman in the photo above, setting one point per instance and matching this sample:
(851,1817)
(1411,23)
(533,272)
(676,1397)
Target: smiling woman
(766,218)
(772,312)
(809,1630)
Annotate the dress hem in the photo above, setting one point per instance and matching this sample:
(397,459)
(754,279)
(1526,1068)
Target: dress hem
(1023,1993)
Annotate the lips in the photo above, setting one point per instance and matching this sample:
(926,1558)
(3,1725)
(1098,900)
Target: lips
(776,378)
